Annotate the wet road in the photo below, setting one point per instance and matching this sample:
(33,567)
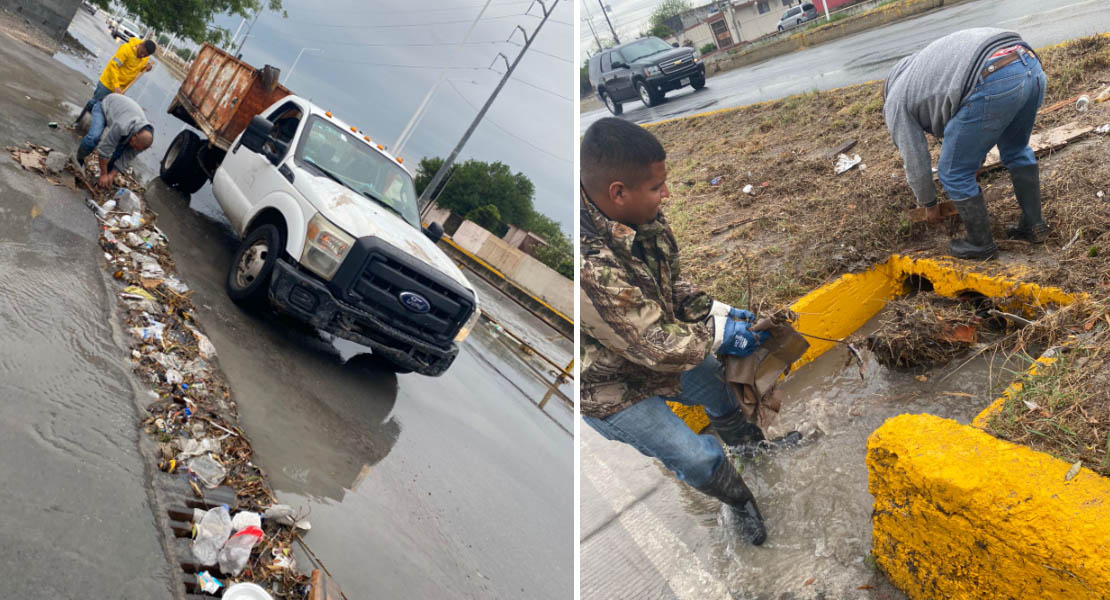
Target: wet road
(870,54)
(77,519)
(448,487)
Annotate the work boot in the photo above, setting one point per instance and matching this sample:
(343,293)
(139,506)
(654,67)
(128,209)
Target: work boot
(80,157)
(1027,188)
(978,245)
(728,487)
(745,437)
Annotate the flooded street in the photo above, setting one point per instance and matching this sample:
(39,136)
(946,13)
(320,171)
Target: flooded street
(814,498)
(449,487)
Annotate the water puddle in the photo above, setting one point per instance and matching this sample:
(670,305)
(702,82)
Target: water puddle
(815,497)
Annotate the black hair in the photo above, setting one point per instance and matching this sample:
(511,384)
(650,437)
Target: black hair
(615,150)
(150,47)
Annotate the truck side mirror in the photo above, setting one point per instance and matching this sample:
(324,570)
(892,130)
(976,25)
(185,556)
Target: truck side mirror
(256,134)
(434,232)
(674,44)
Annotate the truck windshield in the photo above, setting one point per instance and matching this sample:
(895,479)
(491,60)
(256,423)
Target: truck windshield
(645,47)
(351,162)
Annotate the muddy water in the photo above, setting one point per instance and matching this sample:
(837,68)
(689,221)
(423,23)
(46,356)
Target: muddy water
(814,498)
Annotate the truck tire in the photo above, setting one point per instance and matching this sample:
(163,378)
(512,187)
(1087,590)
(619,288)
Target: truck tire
(697,82)
(647,95)
(248,276)
(614,107)
(180,166)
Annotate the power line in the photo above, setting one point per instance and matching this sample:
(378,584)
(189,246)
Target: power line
(397,44)
(423,10)
(377,64)
(540,88)
(504,130)
(395,25)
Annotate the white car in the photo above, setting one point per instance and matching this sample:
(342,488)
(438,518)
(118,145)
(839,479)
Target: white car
(125,30)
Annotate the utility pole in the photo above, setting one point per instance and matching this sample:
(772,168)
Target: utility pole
(616,40)
(406,133)
(248,33)
(425,197)
(591,24)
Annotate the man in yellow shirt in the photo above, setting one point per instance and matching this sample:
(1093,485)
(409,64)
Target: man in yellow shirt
(130,60)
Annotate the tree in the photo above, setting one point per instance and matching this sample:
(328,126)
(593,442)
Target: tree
(474,184)
(163,39)
(666,10)
(559,252)
(659,30)
(185,54)
(190,18)
(488,217)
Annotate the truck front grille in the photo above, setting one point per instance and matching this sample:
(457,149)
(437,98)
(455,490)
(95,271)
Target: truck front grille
(674,66)
(379,286)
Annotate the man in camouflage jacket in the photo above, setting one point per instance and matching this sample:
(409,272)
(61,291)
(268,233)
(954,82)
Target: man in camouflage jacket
(648,336)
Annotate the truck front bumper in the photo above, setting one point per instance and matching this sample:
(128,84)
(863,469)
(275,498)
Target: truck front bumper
(674,81)
(307,299)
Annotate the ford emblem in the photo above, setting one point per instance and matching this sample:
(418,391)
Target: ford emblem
(414,302)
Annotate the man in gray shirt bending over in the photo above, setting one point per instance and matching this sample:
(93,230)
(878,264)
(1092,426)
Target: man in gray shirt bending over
(975,88)
(118,131)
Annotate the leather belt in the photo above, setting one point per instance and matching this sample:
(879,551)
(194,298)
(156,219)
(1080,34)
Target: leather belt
(1005,60)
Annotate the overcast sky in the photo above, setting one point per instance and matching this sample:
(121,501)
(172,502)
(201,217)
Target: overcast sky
(629,18)
(378,59)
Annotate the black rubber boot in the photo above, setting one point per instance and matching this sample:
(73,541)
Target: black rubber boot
(738,432)
(728,486)
(80,156)
(978,245)
(1027,188)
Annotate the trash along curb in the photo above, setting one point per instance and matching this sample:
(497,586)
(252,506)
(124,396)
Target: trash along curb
(961,514)
(840,307)
(207,490)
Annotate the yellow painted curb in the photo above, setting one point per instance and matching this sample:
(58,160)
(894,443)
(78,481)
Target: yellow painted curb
(961,514)
(837,309)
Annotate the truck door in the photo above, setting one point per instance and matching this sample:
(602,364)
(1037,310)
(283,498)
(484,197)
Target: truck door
(246,178)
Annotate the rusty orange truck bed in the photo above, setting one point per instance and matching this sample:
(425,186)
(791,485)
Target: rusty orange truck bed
(221,93)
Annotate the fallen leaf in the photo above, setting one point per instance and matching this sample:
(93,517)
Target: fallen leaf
(866,587)
(810,581)
(1074,470)
(922,378)
(959,394)
(1031,405)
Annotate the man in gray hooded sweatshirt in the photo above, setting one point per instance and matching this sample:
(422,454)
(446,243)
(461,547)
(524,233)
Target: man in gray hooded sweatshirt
(975,88)
(118,131)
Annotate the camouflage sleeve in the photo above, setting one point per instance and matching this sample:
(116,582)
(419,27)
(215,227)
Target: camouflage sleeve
(690,303)
(620,317)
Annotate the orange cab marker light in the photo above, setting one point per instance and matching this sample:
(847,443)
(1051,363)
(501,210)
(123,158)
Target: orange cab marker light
(380,147)
(353,129)
(366,137)
(328,114)
(400,160)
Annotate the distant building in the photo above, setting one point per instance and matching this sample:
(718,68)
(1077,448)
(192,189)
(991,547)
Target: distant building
(522,240)
(728,24)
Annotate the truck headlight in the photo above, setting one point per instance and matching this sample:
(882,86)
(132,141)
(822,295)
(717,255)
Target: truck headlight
(325,247)
(469,325)
(652,71)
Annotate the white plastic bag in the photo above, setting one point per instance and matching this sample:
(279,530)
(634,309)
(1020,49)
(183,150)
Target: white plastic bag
(237,551)
(212,531)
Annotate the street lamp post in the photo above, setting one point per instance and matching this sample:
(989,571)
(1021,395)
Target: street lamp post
(290,73)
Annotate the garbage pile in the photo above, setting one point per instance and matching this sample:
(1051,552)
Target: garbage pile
(192,417)
(923,331)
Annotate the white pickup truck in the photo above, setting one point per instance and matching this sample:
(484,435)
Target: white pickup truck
(327,217)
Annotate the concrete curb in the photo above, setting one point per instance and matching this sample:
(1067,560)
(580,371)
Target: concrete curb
(961,514)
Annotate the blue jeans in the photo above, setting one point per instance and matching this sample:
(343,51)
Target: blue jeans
(97,96)
(651,427)
(1000,111)
(96,129)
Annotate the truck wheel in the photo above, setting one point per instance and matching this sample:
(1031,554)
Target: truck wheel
(647,96)
(248,277)
(697,82)
(180,166)
(614,107)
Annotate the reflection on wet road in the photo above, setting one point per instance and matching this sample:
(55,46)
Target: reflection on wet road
(446,487)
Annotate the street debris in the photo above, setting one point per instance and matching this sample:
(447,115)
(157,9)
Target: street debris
(748,189)
(191,415)
(1103,129)
(1046,141)
(1073,471)
(923,331)
(844,163)
(1083,103)
(716,181)
(246,591)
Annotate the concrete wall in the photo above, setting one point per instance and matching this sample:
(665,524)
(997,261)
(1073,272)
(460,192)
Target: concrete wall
(51,16)
(525,271)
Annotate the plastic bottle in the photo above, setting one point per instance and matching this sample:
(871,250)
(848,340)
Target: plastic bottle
(237,551)
(212,531)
